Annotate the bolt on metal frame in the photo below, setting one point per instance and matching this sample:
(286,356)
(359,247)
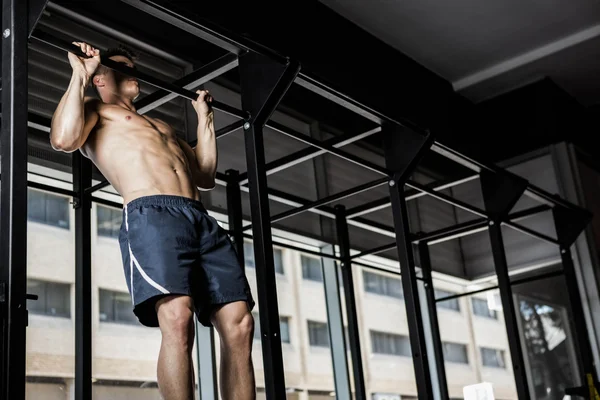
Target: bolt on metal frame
(405,145)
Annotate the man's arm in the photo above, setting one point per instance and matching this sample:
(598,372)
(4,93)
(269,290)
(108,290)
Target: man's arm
(76,115)
(206,149)
(200,180)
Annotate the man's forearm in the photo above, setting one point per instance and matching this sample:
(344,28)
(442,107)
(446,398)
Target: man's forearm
(206,148)
(69,118)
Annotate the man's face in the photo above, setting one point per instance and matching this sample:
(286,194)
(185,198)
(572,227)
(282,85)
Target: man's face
(118,84)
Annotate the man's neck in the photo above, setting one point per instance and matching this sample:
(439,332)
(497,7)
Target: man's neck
(122,102)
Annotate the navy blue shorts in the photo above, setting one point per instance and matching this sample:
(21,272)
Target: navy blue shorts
(170,245)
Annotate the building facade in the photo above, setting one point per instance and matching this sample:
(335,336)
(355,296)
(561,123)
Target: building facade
(474,339)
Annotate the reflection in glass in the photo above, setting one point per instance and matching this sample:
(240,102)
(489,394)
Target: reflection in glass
(548,348)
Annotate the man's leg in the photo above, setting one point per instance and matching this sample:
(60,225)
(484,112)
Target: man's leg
(235,325)
(175,372)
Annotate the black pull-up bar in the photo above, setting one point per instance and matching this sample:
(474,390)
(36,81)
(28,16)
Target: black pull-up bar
(48,39)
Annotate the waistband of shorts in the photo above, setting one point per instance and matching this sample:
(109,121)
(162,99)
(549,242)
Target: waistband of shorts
(166,201)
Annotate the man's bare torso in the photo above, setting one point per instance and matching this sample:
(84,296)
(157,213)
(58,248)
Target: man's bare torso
(138,155)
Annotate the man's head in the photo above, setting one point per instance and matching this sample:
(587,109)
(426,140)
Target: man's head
(110,84)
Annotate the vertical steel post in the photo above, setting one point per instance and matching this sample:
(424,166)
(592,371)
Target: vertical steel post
(264,82)
(13,208)
(82,179)
(207,366)
(234,212)
(350,297)
(403,148)
(438,350)
(569,224)
(411,295)
(501,191)
(335,323)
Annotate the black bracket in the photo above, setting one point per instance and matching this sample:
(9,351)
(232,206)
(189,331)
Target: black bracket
(501,191)
(2,292)
(411,145)
(569,223)
(275,80)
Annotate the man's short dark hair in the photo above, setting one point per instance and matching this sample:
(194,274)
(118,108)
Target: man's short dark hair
(121,50)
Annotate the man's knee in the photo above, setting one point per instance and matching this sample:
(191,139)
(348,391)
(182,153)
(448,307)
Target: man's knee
(175,318)
(235,325)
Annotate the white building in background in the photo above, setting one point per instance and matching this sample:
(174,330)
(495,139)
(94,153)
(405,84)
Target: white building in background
(125,353)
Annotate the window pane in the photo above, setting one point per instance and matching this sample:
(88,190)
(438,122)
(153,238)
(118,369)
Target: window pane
(48,208)
(57,210)
(106,306)
(249,254)
(492,357)
(382,285)
(122,307)
(311,268)
(109,221)
(480,308)
(318,334)
(285,329)
(278,259)
(39,288)
(390,344)
(54,299)
(36,206)
(58,299)
(451,304)
(455,352)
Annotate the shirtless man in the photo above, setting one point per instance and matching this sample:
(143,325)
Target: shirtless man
(177,260)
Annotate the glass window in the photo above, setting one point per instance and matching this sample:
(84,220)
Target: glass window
(492,357)
(455,352)
(47,208)
(284,328)
(249,258)
(109,221)
(383,285)
(318,334)
(451,304)
(116,307)
(311,268)
(54,298)
(390,343)
(481,308)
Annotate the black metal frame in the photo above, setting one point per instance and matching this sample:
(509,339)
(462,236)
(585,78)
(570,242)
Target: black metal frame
(13,208)
(265,78)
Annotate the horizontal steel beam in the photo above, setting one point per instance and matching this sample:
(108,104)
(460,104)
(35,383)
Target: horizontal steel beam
(206,30)
(460,230)
(97,187)
(328,148)
(298,249)
(309,153)
(446,199)
(175,89)
(120,33)
(412,194)
(189,82)
(514,282)
(326,200)
(480,225)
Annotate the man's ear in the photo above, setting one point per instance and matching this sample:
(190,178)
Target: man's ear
(98,80)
